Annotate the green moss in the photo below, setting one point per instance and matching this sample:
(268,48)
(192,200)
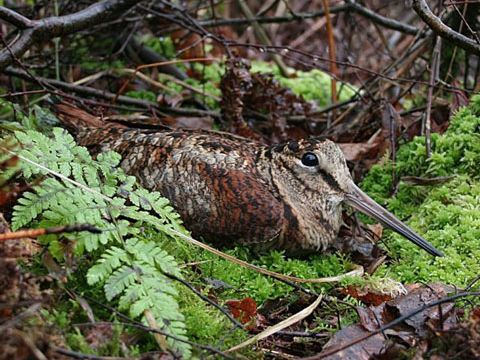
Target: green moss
(447,215)
(142,95)
(161,45)
(205,324)
(241,282)
(311,85)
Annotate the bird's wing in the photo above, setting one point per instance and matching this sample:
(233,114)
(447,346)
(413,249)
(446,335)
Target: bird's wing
(210,179)
(226,205)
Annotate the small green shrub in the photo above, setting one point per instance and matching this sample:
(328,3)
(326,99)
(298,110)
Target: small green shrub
(162,45)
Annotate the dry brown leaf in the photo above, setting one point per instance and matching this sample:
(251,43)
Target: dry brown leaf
(364,350)
(357,151)
(244,310)
(420,296)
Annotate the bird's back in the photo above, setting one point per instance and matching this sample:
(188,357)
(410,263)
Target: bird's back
(212,179)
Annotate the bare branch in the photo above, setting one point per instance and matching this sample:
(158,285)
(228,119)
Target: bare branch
(380,19)
(15,18)
(32,233)
(55,26)
(106,95)
(349,5)
(442,30)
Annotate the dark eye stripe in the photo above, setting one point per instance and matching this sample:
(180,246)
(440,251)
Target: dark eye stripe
(329,179)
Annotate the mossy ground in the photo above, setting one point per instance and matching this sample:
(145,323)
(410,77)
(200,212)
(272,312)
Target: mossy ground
(447,215)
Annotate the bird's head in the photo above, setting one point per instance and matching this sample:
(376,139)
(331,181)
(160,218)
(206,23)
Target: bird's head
(313,176)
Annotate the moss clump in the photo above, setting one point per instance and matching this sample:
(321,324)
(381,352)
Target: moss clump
(447,215)
(162,45)
(206,325)
(313,85)
(241,282)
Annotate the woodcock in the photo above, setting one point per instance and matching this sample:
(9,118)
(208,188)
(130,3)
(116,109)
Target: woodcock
(229,189)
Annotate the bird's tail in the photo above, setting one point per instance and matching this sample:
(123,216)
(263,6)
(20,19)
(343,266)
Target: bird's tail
(89,130)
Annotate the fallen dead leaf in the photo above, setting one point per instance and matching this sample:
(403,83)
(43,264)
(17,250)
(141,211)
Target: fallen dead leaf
(367,349)
(357,151)
(420,296)
(189,122)
(376,229)
(366,296)
(374,317)
(244,310)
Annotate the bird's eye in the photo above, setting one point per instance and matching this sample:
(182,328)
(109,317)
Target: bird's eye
(309,159)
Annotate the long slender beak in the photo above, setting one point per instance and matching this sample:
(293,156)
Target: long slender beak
(362,202)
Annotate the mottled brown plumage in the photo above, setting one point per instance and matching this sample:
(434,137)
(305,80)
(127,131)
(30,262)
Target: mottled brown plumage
(229,189)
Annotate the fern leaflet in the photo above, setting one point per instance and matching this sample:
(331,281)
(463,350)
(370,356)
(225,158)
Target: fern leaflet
(131,269)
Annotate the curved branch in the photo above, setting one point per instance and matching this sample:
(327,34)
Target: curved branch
(442,30)
(55,26)
(19,46)
(15,18)
(97,13)
(106,95)
(380,19)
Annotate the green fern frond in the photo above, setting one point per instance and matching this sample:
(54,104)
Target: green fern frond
(143,286)
(110,260)
(119,281)
(131,269)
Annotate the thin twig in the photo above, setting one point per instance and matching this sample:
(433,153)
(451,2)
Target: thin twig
(333,57)
(82,356)
(32,233)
